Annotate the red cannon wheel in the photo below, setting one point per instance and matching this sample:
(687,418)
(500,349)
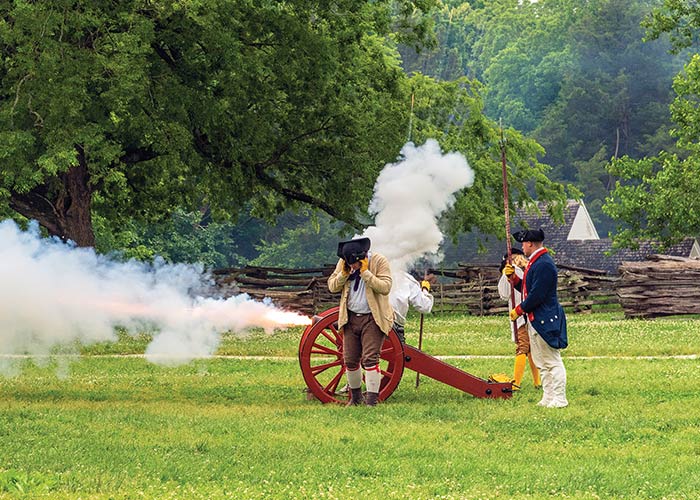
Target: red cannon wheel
(321,360)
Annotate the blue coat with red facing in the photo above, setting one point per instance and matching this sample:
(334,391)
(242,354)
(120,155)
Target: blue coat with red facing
(540,302)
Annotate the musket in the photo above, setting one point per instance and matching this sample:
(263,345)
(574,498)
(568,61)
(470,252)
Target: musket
(506,210)
(420,332)
(410,117)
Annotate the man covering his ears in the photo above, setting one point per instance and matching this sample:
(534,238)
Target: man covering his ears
(365,315)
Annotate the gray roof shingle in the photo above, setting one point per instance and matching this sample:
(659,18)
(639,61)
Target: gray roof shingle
(477,249)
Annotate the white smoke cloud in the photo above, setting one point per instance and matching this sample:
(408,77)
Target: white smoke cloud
(53,294)
(409,197)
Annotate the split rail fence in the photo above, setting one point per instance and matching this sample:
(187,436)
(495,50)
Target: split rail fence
(467,290)
(660,286)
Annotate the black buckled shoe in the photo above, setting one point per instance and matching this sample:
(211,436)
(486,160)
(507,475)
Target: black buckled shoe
(355,397)
(372,399)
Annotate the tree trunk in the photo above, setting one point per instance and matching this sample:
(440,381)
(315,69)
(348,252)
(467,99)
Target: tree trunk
(62,205)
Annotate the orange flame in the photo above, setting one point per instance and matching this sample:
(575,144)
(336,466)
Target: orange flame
(287,318)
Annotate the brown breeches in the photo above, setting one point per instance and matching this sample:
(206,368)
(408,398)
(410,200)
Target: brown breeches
(362,341)
(523,341)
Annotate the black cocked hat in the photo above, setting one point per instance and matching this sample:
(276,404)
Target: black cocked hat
(513,251)
(353,250)
(529,235)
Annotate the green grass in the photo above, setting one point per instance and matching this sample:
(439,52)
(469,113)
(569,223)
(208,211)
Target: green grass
(109,427)
(599,334)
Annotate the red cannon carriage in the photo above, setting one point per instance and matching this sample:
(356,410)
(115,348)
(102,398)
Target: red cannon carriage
(321,360)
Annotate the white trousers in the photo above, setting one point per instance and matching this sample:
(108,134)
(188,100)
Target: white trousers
(552,370)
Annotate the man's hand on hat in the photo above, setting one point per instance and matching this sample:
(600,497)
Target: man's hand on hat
(364,264)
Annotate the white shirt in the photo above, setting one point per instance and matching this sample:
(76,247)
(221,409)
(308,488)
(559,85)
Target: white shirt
(357,299)
(407,291)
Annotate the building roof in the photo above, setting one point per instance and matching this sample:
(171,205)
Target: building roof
(577,223)
(574,243)
(593,254)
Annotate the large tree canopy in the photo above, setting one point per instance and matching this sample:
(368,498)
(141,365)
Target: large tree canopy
(133,108)
(115,114)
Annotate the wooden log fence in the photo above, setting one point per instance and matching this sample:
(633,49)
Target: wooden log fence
(579,290)
(291,289)
(465,290)
(660,286)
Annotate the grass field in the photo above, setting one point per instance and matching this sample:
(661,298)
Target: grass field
(104,427)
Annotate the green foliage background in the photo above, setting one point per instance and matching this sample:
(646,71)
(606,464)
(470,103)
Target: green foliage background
(578,77)
(229,109)
(193,118)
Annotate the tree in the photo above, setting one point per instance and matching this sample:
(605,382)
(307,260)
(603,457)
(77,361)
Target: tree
(574,75)
(657,197)
(449,58)
(523,53)
(182,238)
(133,109)
(452,113)
(134,117)
(578,77)
(312,242)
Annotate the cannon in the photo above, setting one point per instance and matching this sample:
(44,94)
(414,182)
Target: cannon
(321,362)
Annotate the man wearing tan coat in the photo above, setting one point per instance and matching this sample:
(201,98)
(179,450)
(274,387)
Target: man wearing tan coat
(365,315)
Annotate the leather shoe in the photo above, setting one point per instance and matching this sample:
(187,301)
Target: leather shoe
(372,399)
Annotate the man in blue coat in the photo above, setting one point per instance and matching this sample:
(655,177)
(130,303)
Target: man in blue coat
(545,316)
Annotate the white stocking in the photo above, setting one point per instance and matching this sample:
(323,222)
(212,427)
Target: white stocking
(354,378)
(373,378)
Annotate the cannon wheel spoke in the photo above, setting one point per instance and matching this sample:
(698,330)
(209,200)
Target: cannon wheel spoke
(318,369)
(321,349)
(332,386)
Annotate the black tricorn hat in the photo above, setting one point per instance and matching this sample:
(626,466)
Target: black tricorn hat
(529,235)
(353,250)
(513,251)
